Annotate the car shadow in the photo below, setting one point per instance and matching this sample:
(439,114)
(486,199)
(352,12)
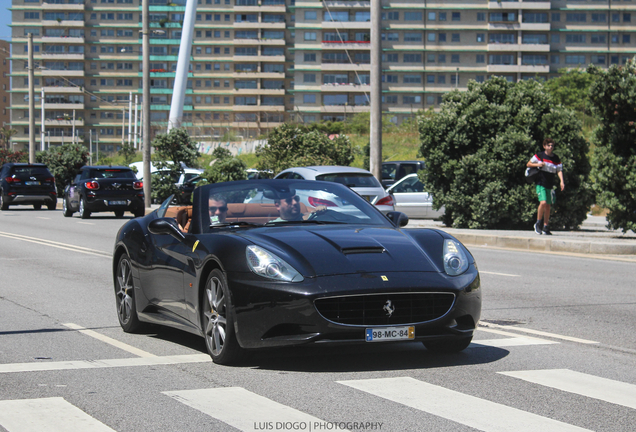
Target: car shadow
(343,358)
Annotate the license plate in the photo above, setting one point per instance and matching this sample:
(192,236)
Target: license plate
(32,183)
(390,334)
(114,203)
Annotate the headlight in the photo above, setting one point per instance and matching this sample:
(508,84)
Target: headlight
(455,260)
(268,265)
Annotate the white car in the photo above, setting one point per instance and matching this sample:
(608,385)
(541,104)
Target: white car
(412,200)
(188,173)
(359,180)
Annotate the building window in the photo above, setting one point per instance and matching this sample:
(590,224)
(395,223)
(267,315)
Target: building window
(310,57)
(309,78)
(309,98)
(310,36)
(456,16)
(311,15)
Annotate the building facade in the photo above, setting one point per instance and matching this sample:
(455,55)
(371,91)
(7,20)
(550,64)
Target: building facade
(258,63)
(5,83)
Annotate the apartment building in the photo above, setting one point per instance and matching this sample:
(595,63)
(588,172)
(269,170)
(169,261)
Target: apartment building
(5,83)
(258,63)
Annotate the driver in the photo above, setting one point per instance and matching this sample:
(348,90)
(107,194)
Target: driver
(218,209)
(288,206)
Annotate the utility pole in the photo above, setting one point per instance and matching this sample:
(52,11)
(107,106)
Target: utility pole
(146,99)
(375,158)
(31,101)
(42,115)
(136,122)
(73,129)
(130,118)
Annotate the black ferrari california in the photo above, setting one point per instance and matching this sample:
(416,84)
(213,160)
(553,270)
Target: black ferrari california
(268,263)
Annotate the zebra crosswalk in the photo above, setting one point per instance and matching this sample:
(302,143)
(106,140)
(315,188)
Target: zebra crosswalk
(241,409)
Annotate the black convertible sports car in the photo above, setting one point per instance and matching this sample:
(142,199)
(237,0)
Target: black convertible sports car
(249,266)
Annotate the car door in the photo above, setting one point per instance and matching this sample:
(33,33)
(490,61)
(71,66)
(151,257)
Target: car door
(410,197)
(164,280)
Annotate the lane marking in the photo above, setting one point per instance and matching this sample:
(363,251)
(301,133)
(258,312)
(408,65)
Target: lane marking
(47,414)
(101,364)
(121,345)
(45,218)
(499,274)
(505,333)
(55,244)
(510,342)
(537,332)
(604,389)
(244,410)
(461,408)
(86,223)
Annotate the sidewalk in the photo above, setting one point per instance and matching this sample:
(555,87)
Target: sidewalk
(592,238)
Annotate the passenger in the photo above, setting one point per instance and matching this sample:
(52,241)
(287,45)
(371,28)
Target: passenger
(218,209)
(288,206)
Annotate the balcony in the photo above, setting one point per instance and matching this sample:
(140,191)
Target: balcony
(348,45)
(62,23)
(339,88)
(350,25)
(519,26)
(259,91)
(62,39)
(518,69)
(244,75)
(62,56)
(251,108)
(259,58)
(264,8)
(504,5)
(62,7)
(259,41)
(61,106)
(518,47)
(260,25)
(335,4)
(62,72)
(63,122)
(62,89)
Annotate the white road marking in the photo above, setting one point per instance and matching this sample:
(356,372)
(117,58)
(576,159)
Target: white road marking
(244,410)
(510,342)
(47,414)
(58,245)
(86,223)
(498,274)
(468,410)
(40,217)
(538,332)
(604,389)
(99,364)
(110,341)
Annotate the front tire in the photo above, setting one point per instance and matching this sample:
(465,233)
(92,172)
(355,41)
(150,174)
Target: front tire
(217,319)
(448,346)
(125,297)
(3,203)
(84,214)
(66,210)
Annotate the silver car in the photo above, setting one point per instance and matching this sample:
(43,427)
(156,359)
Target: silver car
(359,180)
(412,200)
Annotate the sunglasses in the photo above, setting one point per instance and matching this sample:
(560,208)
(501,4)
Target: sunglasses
(295,198)
(221,209)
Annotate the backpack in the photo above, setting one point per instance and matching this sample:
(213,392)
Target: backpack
(532,175)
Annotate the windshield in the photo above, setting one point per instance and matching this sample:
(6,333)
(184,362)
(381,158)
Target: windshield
(108,173)
(351,179)
(284,202)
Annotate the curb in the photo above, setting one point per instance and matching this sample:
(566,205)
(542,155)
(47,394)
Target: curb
(545,245)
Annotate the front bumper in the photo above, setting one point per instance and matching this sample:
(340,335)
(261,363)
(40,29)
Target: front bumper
(275,314)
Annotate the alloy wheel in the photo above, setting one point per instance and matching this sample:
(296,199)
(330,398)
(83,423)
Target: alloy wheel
(215,315)
(124,292)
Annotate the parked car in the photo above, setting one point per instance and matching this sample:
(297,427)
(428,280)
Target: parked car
(360,180)
(393,171)
(104,189)
(412,200)
(184,193)
(253,278)
(25,183)
(254,174)
(188,173)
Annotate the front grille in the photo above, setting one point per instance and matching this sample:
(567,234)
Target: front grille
(372,309)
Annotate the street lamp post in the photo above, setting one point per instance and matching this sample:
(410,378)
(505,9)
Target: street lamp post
(146,99)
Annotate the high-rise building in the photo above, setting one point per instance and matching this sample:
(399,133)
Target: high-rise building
(258,63)
(5,83)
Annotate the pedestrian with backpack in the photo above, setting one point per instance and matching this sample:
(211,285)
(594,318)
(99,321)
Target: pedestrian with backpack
(550,166)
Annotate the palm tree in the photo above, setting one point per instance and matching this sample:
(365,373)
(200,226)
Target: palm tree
(5,136)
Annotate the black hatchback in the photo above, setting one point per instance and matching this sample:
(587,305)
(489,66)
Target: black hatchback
(25,183)
(104,189)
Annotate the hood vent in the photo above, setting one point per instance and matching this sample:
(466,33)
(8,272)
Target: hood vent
(363,250)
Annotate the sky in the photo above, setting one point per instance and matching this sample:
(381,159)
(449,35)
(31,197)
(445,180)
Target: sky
(5,20)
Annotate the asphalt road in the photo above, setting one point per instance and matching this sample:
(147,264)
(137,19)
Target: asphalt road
(555,352)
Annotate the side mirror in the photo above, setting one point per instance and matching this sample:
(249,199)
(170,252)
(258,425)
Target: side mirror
(166,226)
(398,218)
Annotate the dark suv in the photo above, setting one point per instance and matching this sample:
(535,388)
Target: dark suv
(104,189)
(394,170)
(24,183)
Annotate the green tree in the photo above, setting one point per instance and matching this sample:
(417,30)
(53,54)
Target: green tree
(7,156)
(477,147)
(128,152)
(613,99)
(224,167)
(290,145)
(63,161)
(571,89)
(5,136)
(172,151)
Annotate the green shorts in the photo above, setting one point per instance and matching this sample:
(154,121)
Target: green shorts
(546,195)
